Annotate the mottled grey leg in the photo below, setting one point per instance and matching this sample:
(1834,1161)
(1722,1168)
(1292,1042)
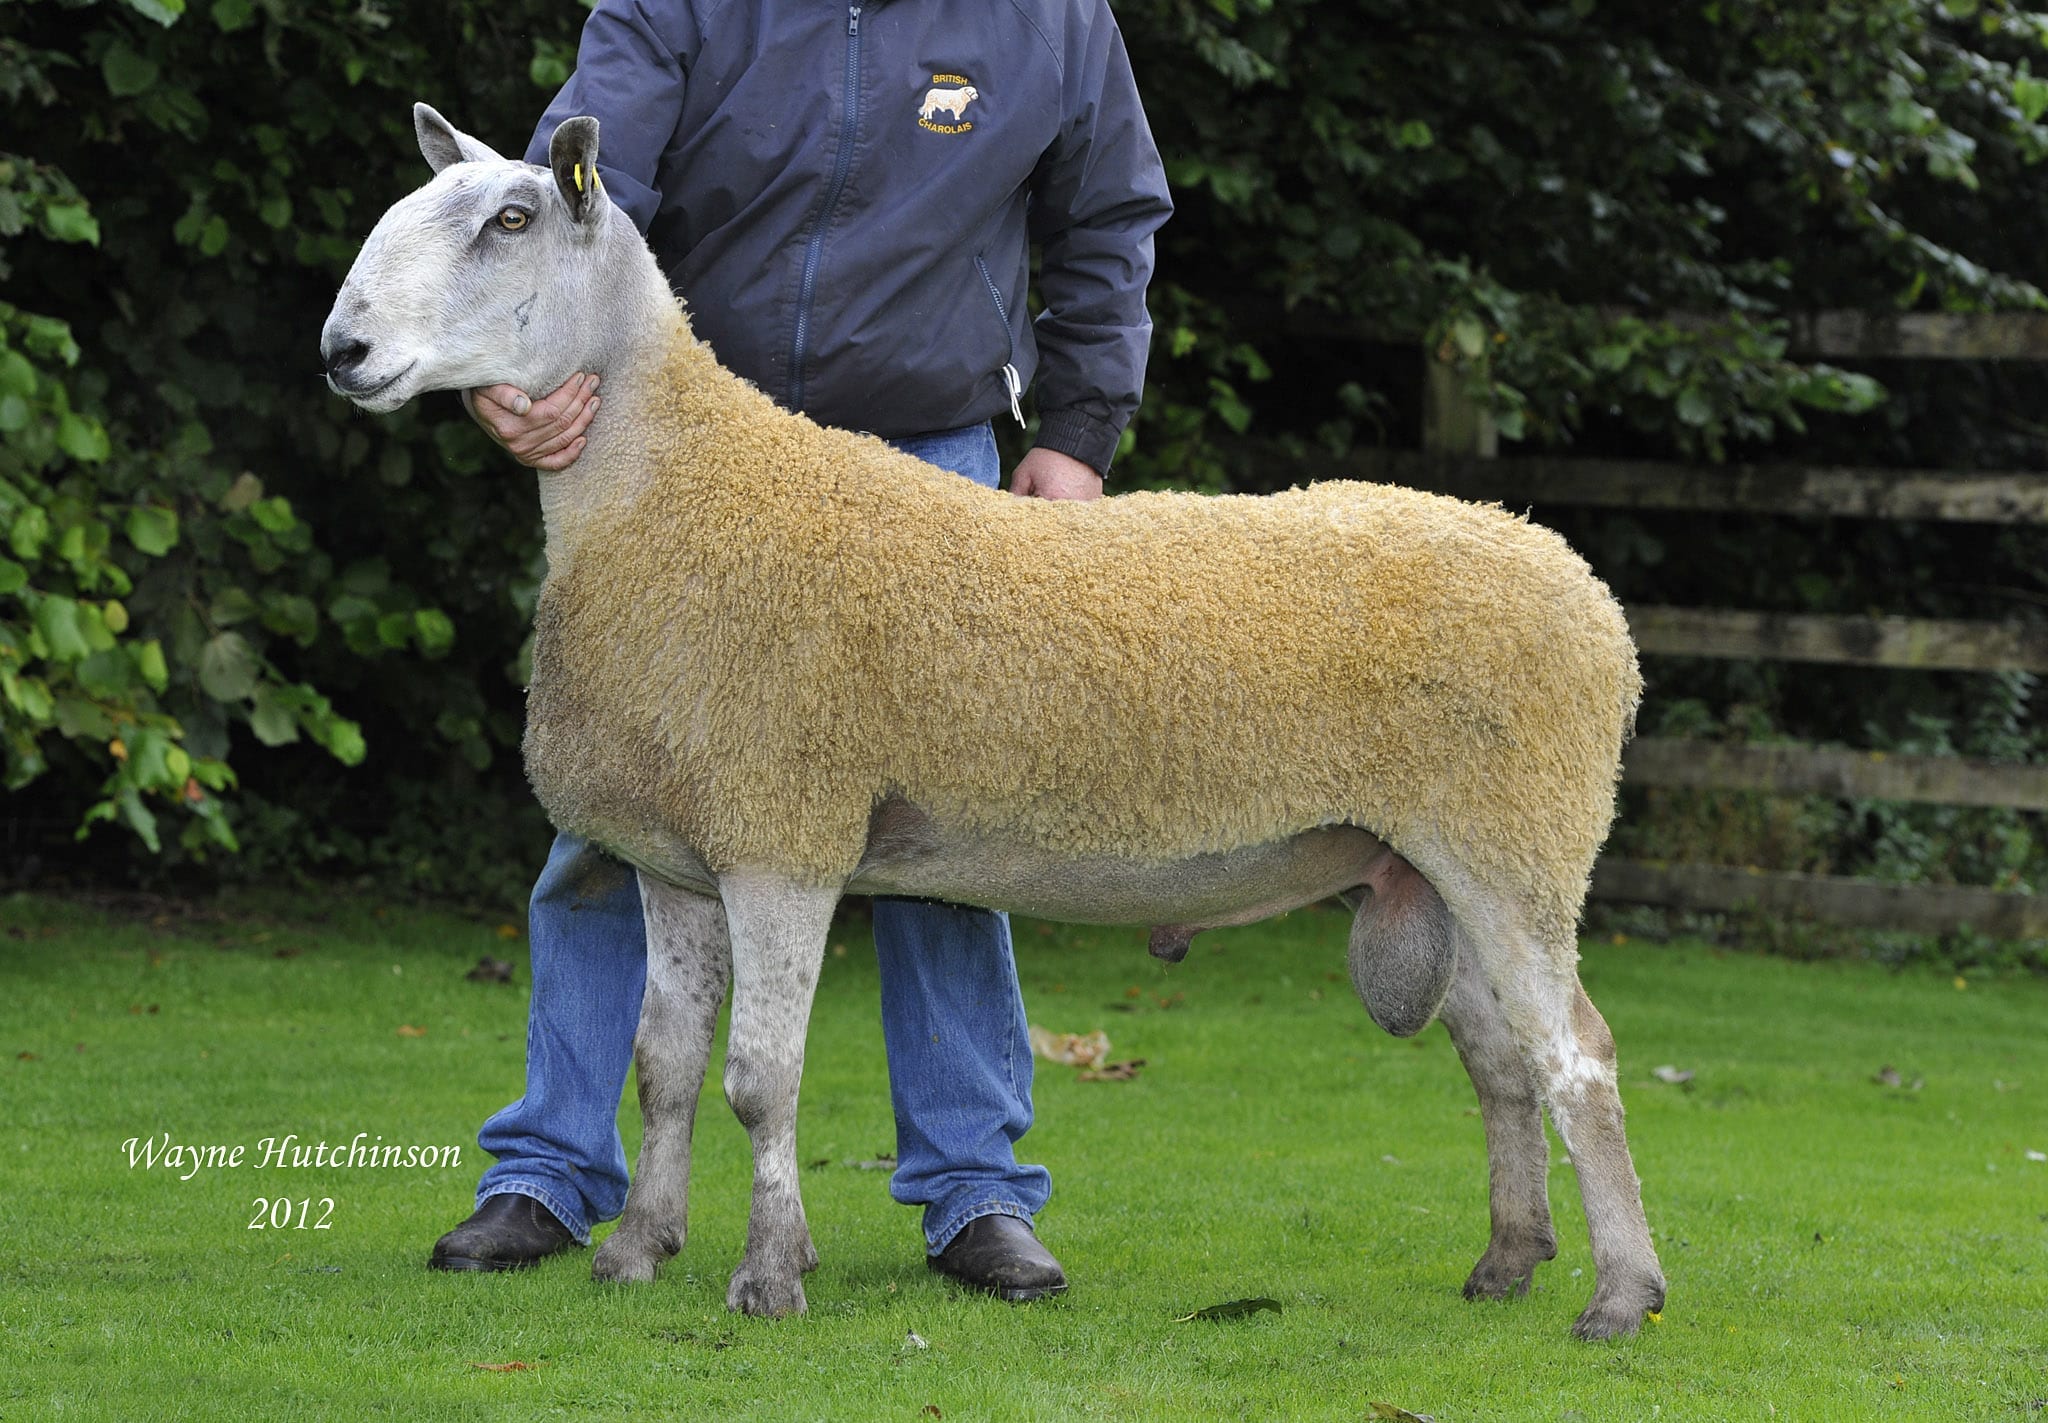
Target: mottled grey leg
(688,965)
(1569,1055)
(1585,1105)
(778,930)
(1517,1156)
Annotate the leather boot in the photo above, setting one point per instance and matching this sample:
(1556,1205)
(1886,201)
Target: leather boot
(1000,1254)
(507,1232)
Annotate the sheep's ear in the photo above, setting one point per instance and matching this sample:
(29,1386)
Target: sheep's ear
(443,143)
(572,153)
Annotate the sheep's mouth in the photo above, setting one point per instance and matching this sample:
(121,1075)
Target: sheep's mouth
(364,395)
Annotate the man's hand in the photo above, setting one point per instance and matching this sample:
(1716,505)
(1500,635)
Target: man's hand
(541,434)
(1048,474)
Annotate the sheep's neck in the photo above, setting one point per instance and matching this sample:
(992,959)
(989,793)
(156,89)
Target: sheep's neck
(618,464)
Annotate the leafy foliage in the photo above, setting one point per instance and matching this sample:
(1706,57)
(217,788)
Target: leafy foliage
(1506,177)
(217,585)
(213,560)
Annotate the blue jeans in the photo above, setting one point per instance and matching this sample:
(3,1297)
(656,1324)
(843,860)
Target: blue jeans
(952,1018)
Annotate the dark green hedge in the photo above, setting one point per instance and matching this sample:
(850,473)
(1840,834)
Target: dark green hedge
(235,614)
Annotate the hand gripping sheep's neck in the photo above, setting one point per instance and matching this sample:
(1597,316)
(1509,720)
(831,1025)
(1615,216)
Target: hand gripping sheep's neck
(775,664)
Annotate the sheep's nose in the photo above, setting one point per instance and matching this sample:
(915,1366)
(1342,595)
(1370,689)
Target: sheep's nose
(345,357)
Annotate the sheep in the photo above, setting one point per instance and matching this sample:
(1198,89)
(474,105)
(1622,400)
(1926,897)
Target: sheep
(774,664)
(953,101)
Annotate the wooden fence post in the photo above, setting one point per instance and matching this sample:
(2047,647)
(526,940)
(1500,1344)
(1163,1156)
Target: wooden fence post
(1453,423)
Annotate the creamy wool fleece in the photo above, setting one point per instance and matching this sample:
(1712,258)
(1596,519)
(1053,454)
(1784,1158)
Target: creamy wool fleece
(755,629)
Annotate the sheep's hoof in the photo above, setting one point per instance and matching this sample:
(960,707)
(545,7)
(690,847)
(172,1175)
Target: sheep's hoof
(1617,1313)
(1510,1262)
(1500,1278)
(769,1294)
(627,1260)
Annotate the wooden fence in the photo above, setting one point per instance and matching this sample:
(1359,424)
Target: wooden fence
(1458,457)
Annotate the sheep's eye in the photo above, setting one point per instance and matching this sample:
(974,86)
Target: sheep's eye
(513,219)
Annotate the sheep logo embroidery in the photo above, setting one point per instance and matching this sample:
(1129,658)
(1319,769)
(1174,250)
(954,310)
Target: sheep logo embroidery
(953,101)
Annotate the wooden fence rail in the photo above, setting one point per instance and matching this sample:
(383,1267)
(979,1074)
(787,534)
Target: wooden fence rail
(1845,641)
(1833,771)
(1990,498)
(1922,335)
(1924,908)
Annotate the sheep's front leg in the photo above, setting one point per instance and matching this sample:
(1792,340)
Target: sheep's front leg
(1517,1156)
(688,965)
(778,931)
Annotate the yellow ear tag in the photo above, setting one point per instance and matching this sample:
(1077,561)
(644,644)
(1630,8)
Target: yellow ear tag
(579,177)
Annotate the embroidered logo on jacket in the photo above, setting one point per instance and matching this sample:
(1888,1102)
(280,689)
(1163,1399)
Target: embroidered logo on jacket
(951,101)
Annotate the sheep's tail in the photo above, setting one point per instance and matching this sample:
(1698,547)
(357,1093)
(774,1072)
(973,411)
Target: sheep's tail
(1404,946)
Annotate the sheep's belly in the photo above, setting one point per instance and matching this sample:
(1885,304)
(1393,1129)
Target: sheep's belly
(910,856)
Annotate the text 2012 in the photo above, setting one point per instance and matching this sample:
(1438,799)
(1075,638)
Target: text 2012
(284,1213)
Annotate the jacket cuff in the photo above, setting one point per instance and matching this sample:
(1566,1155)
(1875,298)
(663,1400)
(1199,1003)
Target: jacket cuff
(1079,434)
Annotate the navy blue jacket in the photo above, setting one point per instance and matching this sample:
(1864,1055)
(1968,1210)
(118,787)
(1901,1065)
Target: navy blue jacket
(845,193)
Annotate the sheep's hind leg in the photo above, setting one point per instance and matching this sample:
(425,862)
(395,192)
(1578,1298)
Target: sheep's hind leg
(778,931)
(688,964)
(1585,1103)
(1517,1156)
(1570,1056)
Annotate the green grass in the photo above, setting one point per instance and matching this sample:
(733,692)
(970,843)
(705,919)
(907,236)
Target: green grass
(1836,1247)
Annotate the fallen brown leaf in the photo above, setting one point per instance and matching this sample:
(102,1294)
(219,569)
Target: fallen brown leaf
(1070,1049)
(407,1030)
(1112,1071)
(517,1366)
(508,931)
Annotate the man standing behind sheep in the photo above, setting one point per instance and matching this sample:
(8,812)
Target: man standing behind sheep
(846,198)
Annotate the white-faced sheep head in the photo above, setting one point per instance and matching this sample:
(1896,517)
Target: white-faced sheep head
(484,275)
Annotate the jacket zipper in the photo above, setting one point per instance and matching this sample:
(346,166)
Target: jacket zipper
(1011,380)
(849,124)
